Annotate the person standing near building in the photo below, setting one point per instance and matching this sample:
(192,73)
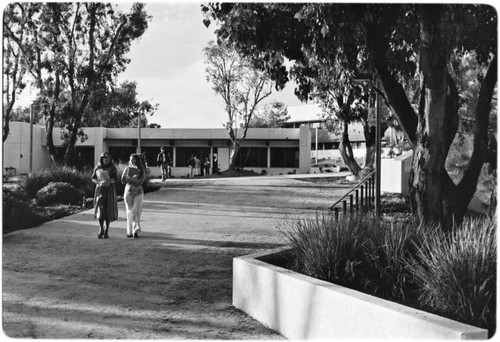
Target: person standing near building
(164,162)
(191,165)
(105,175)
(207,166)
(197,166)
(133,176)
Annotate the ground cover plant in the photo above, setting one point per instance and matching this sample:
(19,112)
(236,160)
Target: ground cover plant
(450,274)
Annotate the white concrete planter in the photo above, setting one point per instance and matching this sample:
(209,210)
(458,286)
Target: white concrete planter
(301,307)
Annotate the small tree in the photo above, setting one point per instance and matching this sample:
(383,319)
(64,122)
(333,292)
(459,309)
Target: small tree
(241,87)
(271,115)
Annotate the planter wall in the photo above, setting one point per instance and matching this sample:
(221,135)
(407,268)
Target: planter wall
(301,307)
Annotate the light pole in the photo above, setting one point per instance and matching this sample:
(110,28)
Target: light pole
(138,150)
(31,137)
(378,165)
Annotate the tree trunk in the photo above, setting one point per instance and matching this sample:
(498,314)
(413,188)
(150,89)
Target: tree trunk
(370,137)
(235,151)
(431,149)
(345,149)
(49,129)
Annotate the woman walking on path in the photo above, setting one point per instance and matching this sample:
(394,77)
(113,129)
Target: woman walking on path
(105,176)
(133,176)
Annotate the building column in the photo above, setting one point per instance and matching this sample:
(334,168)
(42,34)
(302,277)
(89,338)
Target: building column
(211,168)
(269,157)
(305,150)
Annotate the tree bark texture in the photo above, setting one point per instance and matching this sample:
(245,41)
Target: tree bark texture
(345,149)
(430,150)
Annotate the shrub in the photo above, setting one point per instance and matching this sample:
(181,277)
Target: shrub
(58,193)
(457,272)
(17,211)
(356,251)
(36,180)
(327,249)
(451,274)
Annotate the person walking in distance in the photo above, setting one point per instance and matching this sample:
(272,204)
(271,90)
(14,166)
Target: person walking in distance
(133,176)
(164,161)
(105,175)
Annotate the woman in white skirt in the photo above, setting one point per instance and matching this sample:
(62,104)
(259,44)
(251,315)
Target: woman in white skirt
(133,176)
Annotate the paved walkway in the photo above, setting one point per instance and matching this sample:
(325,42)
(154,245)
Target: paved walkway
(174,282)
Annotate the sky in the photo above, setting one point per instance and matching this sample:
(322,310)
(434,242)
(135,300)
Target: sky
(168,65)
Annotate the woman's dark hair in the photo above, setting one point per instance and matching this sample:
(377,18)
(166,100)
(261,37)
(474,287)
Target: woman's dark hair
(101,159)
(138,161)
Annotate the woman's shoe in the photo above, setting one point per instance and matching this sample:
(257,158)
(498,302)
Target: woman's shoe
(129,236)
(106,236)
(136,235)
(100,236)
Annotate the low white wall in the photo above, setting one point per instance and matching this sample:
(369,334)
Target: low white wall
(301,307)
(16,149)
(395,174)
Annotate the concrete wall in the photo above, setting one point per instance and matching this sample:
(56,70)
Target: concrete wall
(395,173)
(16,149)
(303,308)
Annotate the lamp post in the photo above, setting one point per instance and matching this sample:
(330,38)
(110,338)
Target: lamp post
(138,150)
(31,137)
(378,165)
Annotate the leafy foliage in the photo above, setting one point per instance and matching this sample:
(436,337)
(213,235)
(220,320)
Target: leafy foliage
(73,52)
(271,115)
(340,42)
(17,211)
(36,180)
(58,193)
(119,108)
(240,86)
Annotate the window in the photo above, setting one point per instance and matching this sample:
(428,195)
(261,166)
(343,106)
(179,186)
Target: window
(285,157)
(121,154)
(182,154)
(252,157)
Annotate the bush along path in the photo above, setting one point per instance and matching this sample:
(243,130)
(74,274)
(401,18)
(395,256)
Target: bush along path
(51,194)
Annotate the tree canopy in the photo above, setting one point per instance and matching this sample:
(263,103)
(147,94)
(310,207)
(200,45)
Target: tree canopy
(393,43)
(241,87)
(271,115)
(73,53)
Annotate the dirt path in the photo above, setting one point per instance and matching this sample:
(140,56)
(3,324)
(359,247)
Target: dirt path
(174,282)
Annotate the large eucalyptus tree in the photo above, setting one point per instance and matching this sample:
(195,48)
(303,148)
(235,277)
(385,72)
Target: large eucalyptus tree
(394,42)
(73,52)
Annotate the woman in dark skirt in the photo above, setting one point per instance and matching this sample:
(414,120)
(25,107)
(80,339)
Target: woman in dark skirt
(105,176)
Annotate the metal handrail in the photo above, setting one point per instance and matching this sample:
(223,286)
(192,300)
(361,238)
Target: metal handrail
(358,185)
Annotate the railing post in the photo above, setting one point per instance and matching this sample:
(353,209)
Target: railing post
(357,199)
(344,207)
(351,204)
(361,199)
(336,214)
(373,189)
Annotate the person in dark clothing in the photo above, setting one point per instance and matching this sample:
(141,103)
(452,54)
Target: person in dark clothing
(105,176)
(164,162)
